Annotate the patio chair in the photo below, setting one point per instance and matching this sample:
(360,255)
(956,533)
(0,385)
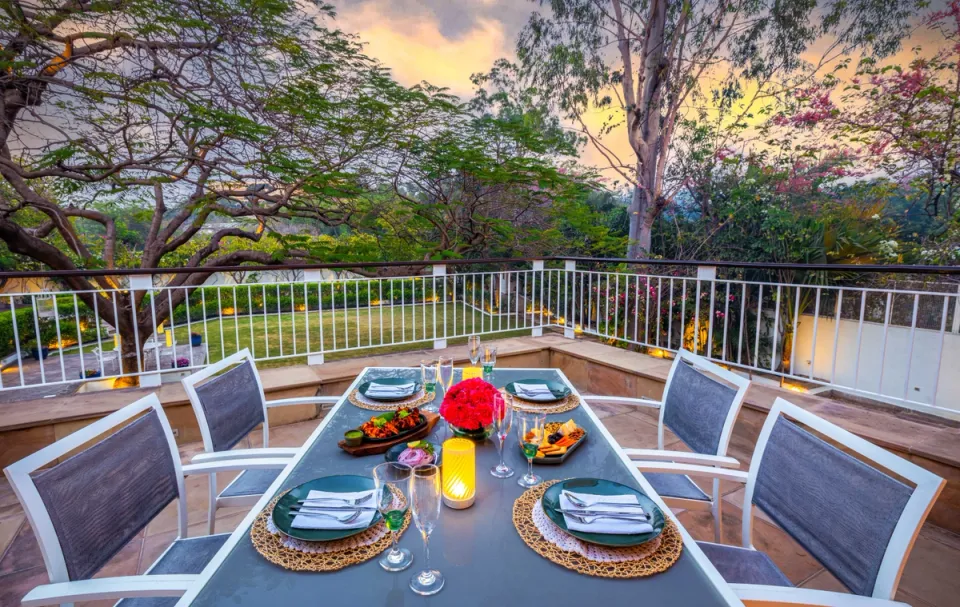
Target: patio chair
(228,400)
(856,520)
(701,411)
(87,507)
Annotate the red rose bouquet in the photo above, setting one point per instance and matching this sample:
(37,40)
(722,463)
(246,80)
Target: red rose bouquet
(468,405)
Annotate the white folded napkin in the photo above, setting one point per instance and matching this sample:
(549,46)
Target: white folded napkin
(605,525)
(302,521)
(534,391)
(375,389)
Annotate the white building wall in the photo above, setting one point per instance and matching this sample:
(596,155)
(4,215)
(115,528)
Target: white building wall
(886,374)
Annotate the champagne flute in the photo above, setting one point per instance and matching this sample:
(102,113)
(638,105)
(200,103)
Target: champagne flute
(489,359)
(473,345)
(397,476)
(426,500)
(530,430)
(503,418)
(446,373)
(428,372)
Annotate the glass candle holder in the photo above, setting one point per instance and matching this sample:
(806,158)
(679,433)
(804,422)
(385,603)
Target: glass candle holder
(459,473)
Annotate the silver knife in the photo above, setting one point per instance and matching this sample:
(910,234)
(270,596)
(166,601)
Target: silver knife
(636,515)
(327,508)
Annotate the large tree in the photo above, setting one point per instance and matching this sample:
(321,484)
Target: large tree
(643,64)
(213,117)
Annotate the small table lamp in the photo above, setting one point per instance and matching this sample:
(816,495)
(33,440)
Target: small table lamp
(459,470)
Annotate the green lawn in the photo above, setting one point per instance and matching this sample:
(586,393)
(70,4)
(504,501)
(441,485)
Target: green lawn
(285,335)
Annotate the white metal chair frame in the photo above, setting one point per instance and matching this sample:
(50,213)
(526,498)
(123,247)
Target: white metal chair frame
(927,488)
(719,459)
(61,590)
(211,455)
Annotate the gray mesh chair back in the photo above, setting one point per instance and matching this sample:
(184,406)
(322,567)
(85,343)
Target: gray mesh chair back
(841,510)
(232,405)
(696,408)
(100,498)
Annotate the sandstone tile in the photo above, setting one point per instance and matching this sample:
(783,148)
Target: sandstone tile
(9,528)
(931,571)
(22,553)
(14,586)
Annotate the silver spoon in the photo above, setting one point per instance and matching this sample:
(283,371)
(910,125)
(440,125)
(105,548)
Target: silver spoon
(579,503)
(352,502)
(587,520)
(340,519)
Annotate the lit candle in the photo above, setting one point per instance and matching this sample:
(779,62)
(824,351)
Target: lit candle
(459,473)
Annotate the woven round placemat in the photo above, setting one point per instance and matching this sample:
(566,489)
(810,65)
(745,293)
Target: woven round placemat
(568,403)
(271,546)
(671,544)
(365,403)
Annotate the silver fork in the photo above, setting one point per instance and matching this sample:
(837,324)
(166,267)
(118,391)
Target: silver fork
(340,519)
(579,503)
(353,502)
(586,520)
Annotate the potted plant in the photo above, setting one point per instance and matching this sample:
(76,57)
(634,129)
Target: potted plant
(468,408)
(89,373)
(181,362)
(38,354)
(196,339)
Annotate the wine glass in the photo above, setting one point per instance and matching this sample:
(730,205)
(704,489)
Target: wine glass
(503,419)
(530,430)
(489,359)
(428,372)
(425,499)
(473,345)
(397,476)
(446,373)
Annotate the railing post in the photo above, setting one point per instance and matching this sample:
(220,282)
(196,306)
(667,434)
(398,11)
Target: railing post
(310,276)
(707,273)
(438,344)
(956,313)
(568,329)
(537,267)
(144,282)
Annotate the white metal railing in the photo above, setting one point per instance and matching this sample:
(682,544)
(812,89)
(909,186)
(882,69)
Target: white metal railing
(901,346)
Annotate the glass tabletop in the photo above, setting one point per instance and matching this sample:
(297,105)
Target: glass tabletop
(479,551)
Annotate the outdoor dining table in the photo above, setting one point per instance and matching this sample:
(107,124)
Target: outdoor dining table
(478,550)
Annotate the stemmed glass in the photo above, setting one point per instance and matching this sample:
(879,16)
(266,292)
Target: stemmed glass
(503,418)
(530,429)
(446,373)
(489,359)
(473,345)
(425,494)
(428,372)
(398,476)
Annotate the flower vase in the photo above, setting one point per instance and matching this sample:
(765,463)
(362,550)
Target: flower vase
(479,435)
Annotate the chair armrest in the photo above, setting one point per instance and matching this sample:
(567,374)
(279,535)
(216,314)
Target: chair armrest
(222,456)
(692,470)
(109,588)
(304,400)
(625,400)
(682,457)
(237,464)
(765,596)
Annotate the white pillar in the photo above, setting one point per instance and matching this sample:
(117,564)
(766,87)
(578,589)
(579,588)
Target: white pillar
(313,275)
(568,332)
(439,344)
(315,359)
(144,282)
(537,267)
(707,273)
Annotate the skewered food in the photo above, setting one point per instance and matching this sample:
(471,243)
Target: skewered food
(385,426)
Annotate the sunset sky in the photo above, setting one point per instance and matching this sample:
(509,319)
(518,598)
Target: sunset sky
(445,41)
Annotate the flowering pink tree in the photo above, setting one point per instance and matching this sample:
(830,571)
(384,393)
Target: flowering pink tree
(898,121)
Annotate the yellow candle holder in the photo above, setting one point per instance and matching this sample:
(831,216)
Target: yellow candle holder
(168,334)
(459,471)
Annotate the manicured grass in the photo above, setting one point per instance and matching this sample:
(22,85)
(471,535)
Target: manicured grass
(284,337)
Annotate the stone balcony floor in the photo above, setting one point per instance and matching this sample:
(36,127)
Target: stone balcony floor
(929,580)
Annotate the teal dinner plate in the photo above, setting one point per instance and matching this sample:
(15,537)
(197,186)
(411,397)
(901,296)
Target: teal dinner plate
(344,483)
(557,388)
(596,486)
(389,381)
(394,452)
(388,416)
